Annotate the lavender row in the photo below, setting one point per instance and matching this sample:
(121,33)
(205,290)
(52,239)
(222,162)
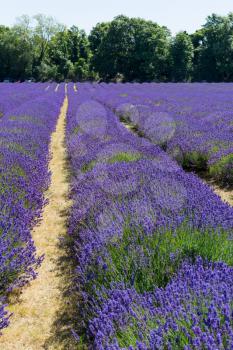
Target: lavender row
(193,312)
(14,95)
(139,223)
(192,122)
(24,153)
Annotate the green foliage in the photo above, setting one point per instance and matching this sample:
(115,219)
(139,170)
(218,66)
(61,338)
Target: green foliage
(15,55)
(182,53)
(125,49)
(124,157)
(223,170)
(88,167)
(69,52)
(145,261)
(194,160)
(97,34)
(46,51)
(45,28)
(215,49)
(133,47)
(118,157)
(76,130)
(18,171)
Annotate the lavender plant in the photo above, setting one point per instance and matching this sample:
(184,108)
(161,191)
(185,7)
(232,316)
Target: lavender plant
(194,311)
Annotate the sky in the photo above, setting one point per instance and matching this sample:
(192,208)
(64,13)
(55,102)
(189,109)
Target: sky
(177,15)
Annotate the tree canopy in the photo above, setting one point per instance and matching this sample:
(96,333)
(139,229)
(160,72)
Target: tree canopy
(129,49)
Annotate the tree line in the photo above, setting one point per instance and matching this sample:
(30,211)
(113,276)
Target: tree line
(125,49)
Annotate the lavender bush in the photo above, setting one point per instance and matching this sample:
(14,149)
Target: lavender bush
(194,311)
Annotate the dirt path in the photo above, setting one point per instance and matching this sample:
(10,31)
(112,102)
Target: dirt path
(227,196)
(33,325)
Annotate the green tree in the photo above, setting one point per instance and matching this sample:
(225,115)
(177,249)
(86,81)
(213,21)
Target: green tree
(69,51)
(15,54)
(79,53)
(182,54)
(135,48)
(58,55)
(129,49)
(95,39)
(44,29)
(216,52)
(197,40)
(97,34)
(149,59)
(78,44)
(112,56)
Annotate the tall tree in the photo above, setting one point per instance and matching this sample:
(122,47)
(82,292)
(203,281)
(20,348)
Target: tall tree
(114,50)
(45,28)
(182,54)
(95,39)
(69,51)
(216,53)
(135,48)
(150,57)
(97,34)
(78,44)
(15,54)
(197,41)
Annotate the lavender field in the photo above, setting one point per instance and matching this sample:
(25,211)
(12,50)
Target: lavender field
(149,240)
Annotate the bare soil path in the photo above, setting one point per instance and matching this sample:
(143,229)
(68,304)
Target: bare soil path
(35,324)
(226,195)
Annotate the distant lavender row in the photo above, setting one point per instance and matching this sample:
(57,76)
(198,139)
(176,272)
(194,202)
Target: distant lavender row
(14,95)
(136,218)
(24,143)
(193,122)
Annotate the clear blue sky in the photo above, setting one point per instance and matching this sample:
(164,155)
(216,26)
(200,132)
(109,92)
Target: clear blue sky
(175,14)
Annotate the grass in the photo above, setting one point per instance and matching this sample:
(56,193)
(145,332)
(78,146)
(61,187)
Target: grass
(116,158)
(129,336)
(195,160)
(16,147)
(22,117)
(223,170)
(18,171)
(76,130)
(146,261)
(124,157)
(88,167)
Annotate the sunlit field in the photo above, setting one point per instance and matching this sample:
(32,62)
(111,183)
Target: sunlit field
(134,183)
